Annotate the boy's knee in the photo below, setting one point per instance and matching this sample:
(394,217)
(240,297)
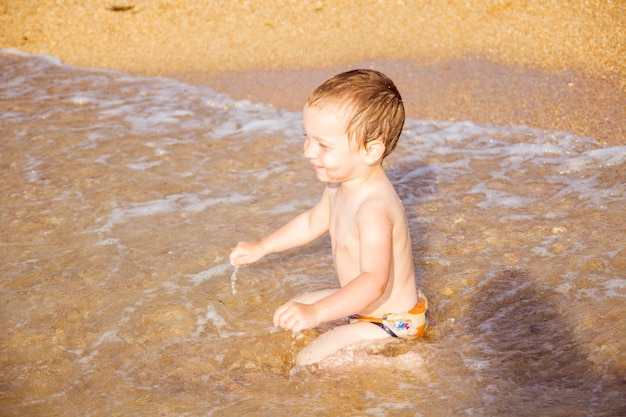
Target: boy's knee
(306,357)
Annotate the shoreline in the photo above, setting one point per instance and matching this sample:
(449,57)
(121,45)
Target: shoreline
(550,65)
(465,89)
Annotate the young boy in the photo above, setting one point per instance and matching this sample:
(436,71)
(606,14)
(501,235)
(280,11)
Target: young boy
(352,122)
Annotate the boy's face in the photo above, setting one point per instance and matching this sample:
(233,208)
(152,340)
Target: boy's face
(328,147)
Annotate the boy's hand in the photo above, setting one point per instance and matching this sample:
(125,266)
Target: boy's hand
(246,253)
(296,316)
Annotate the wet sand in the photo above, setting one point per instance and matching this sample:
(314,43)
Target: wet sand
(553,65)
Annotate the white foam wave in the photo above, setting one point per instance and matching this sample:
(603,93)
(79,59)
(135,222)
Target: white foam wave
(184,203)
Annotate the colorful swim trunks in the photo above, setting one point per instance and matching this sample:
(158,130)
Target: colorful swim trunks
(409,325)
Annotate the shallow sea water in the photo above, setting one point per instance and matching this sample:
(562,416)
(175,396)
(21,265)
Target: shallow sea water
(122,197)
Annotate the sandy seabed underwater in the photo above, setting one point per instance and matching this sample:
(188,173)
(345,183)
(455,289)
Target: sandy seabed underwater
(122,197)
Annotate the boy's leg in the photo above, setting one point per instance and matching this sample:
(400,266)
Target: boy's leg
(338,338)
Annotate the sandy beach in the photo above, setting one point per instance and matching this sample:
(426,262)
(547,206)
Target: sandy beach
(122,197)
(557,65)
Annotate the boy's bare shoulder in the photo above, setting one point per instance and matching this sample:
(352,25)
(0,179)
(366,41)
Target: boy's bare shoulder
(382,199)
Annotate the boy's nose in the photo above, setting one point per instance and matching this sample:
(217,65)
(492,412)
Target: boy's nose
(308,149)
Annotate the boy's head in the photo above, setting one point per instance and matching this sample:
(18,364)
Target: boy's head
(371,102)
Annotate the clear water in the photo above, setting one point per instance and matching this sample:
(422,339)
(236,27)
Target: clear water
(122,197)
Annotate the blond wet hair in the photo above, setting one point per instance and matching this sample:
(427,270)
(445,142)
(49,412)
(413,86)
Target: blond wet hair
(372,104)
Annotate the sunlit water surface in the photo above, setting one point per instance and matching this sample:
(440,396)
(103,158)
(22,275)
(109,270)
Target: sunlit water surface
(121,199)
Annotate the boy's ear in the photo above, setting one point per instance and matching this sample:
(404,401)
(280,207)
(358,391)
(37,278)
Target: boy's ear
(374,151)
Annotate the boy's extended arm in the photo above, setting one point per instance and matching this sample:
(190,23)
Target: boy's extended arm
(298,231)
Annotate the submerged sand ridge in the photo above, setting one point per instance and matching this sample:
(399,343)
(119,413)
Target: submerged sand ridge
(557,65)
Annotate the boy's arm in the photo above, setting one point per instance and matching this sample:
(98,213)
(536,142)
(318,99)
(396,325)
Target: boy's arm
(375,252)
(300,230)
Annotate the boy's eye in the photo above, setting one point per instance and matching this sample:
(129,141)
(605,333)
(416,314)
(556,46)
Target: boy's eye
(322,146)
